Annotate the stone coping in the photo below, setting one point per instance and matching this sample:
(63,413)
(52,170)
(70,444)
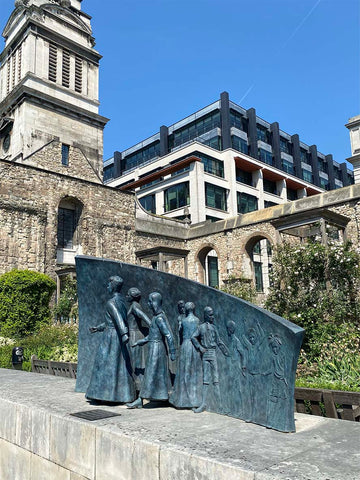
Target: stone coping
(161,443)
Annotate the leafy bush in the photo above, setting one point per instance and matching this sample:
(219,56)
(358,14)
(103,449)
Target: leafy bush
(313,285)
(66,306)
(53,342)
(24,302)
(317,287)
(240,287)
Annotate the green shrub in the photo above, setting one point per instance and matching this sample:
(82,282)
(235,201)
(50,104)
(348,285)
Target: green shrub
(317,287)
(53,342)
(66,306)
(240,287)
(24,302)
(313,284)
(6,356)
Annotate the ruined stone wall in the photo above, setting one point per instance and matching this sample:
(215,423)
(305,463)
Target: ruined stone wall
(233,239)
(30,197)
(49,158)
(230,246)
(29,201)
(350,209)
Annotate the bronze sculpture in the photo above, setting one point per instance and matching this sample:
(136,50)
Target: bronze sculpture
(188,379)
(112,374)
(255,382)
(139,324)
(156,382)
(207,340)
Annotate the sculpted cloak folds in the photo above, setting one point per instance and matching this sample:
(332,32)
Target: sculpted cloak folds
(112,375)
(188,381)
(156,381)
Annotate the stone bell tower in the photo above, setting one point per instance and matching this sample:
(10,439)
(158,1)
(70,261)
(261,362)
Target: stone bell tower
(49,72)
(354,128)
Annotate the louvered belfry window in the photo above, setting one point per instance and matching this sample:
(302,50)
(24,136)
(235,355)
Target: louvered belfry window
(8,76)
(78,74)
(52,62)
(66,69)
(19,52)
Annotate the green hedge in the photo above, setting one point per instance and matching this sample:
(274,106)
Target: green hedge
(54,342)
(24,302)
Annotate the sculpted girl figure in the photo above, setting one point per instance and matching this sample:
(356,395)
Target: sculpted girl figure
(187,390)
(156,383)
(139,324)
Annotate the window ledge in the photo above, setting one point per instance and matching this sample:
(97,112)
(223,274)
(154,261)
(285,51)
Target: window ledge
(175,209)
(216,209)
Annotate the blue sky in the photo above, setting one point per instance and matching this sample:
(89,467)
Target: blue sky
(295,61)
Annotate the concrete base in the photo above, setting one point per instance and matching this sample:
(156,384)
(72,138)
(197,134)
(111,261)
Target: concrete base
(39,440)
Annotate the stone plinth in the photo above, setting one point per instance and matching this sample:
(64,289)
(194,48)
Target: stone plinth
(40,440)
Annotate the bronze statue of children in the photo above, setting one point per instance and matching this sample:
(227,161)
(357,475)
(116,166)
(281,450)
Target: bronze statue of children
(112,375)
(206,339)
(139,324)
(156,382)
(188,379)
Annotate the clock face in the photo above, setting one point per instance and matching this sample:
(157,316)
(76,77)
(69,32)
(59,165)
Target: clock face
(6,143)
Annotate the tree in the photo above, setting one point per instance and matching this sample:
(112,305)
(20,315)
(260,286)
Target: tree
(66,306)
(24,302)
(316,287)
(240,287)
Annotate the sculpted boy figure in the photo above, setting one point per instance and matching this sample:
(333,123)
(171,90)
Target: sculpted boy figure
(156,382)
(206,339)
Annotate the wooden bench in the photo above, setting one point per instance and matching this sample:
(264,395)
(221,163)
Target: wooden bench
(59,369)
(329,403)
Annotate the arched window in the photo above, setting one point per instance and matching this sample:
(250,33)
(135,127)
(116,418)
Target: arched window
(68,235)
(209,271)
(259,261)
(261,258)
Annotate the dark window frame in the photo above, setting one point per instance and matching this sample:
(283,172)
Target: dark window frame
(216,197)
(65,151)
(175,198)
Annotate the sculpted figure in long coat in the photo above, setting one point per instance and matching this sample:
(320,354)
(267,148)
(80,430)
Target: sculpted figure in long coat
(156,382)
(187,391)
(139,324)
(112,374)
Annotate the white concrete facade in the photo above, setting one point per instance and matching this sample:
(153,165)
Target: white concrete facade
(197,177)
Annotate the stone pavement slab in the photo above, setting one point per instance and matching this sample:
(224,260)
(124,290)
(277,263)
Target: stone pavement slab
(162,443)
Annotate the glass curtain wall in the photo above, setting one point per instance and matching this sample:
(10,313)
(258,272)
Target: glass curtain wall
(239,144)
(195,129)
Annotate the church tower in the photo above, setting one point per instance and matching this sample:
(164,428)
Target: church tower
(49,98)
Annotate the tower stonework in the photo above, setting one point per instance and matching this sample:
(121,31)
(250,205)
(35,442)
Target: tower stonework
(49,99)
(354,129)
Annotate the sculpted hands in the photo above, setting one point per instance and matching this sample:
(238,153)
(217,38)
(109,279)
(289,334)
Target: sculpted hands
(139,343)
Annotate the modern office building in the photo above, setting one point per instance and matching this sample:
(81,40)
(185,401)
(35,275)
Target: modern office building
(228,159)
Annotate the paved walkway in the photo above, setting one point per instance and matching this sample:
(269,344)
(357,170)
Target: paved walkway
(321,449)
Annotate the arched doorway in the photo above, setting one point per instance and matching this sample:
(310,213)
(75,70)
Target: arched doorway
(259,250)
(209,266)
